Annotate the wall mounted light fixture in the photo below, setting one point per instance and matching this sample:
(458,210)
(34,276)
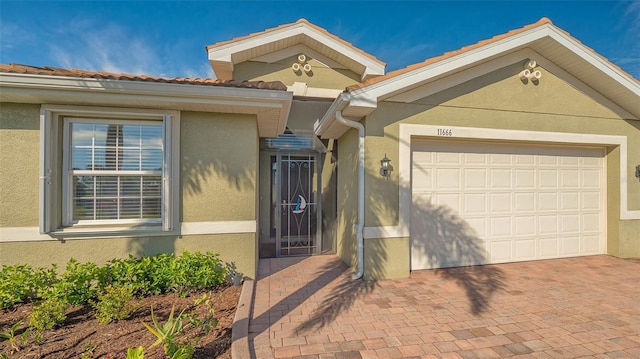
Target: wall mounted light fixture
(638,172)
(385,167)
(530,73)
(301,65)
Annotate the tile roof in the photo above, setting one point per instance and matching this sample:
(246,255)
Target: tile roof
(55,71)
(446,55)
(300,21)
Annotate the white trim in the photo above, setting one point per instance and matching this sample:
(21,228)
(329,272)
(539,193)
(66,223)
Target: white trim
(51,115)
(407,131)
(455,79)
(23,234)
(32,234)
(465,60)
(226,53)
(271,107)
(217,227)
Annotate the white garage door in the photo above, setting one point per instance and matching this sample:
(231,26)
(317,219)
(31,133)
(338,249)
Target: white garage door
(477,203)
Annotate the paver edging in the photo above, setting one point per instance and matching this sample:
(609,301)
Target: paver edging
(240,329)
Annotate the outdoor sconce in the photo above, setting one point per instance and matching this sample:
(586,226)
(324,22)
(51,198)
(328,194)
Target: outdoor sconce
(530,73)
(385,167)
(301,64)
(638,172)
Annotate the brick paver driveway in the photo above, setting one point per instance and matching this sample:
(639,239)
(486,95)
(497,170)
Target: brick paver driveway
(564,308)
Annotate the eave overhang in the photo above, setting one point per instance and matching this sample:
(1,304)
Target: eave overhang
(271,107)
(558,47)
(223,56)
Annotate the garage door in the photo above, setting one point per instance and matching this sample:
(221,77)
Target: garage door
(478,203)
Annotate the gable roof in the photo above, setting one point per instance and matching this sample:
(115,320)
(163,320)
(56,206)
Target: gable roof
(224,55)
(56,71)
(541,39)
(543,21)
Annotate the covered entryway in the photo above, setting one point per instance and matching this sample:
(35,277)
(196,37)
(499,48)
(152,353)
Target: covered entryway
(486,202)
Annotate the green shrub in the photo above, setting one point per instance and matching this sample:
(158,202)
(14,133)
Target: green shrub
(196,271)
(19,283)
(115,303)
(80,283)
(48,314)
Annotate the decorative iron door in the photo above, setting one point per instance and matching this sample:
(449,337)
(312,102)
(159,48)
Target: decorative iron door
(297,183)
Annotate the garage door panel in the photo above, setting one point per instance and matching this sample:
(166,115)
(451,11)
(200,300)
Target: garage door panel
(591,244)
(475,158)
(500,202)
(475,204)
(590,178)
(525,249)
(547,201)
(525,178)
(569,223)
(569,201)
(478,226)
(591,201)
(548,224)
(517,202)
(525,226)
(524,202)
(448,178)
(500,251)
(590,222)
(570,246)
(570,178)
(548,247)
(500,159)
(500,178)
(499,227)
(445,158)
(548,178)
(448,201)
(475,178)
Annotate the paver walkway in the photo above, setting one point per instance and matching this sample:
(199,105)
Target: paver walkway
(563,308)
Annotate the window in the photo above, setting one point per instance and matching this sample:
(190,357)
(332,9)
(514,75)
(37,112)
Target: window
(116,170)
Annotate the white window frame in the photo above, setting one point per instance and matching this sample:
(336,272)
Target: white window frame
(55,186)
(68,173)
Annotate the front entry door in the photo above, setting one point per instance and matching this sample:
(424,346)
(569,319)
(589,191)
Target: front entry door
(297,211)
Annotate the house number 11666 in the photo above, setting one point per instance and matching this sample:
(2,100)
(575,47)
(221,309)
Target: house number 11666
(445,132)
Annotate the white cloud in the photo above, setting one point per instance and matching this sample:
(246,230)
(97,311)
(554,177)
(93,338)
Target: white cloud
(104,47)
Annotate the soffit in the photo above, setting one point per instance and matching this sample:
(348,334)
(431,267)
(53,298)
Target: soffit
(543,38)
(271,107)
(224,55)
(557,46)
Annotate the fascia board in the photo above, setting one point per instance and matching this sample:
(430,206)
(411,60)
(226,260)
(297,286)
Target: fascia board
(454,63)
(225,52)
(593,59)
(322,126)
(178,92)
(413,78)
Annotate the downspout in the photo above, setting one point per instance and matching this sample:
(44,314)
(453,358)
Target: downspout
(360,224)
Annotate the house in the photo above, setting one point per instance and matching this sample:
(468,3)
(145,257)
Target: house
(524,146)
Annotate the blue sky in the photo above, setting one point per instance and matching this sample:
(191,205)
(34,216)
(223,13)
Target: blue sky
(167,38)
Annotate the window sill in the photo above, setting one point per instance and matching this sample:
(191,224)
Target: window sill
(146,230)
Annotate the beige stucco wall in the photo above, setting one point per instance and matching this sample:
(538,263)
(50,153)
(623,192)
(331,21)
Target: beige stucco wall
(500,100)
(218,166)
(19,157)
(347,196)
(320,76)
(100,250)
